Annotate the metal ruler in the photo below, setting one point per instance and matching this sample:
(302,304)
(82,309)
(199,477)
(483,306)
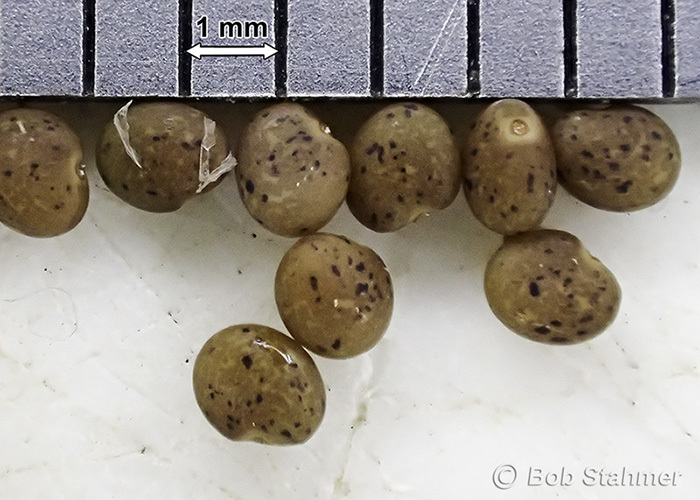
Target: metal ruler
(641,49)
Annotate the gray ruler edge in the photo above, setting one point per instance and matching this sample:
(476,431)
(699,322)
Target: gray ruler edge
(603,49)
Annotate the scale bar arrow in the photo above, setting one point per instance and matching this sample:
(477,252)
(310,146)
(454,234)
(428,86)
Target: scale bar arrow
(199,51)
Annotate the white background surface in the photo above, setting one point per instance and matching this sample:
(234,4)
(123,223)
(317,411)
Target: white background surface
(99,330)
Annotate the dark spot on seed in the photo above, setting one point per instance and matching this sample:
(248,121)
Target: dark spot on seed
(336,344)
(249,186)
(613,165)
(574,137)
(543,330)
(555,322)
(586,154)
(559,340)
(361,288)
(627,119)
(211,395)
(286,433)
(624,187)
(625,147)
(188,146)
(8,173)
(229,403)
(475,151)
(314,283)
(597,174)
(468,184)
(259,398)
(581,332)
(68,189)
(534,289)
(360,267)
(586,318)
(513,208)
(492,198)
(247,362)
(530,182)
(567,281)
(656,135)
(264,198)
(670,156)
(151,193)
(335,270)
(645,157)
(548,251)
(246,330)
(373,219)
(585,170)
(294,365)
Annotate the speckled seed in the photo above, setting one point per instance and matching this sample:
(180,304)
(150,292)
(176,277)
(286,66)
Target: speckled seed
(292,174)
(545,286)
(404,164)
(509,168)
(334,295)
(621,158)
(167,136)
(43,189)
(254,383)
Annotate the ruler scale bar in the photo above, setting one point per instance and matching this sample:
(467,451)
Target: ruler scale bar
(328,48)
(619,48)
(687,48)
(233,23)
(42,48)
(425,48)
(521,59)
(646,49)
(136,55)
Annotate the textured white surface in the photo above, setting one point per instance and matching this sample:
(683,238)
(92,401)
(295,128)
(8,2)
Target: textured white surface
(522,48)
(99,329)
(328,48)
(619,48)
